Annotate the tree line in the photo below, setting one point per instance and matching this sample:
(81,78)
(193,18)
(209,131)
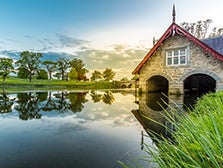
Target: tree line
(30,66)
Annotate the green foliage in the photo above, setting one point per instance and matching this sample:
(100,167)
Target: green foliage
(78,65)
(198,141)
(96,75)
(50,66)
(136,77)
(6,67)
(124,79)
(23,73)
(29,61)
(42,74)
(108,74)
(73,75)
(62,66)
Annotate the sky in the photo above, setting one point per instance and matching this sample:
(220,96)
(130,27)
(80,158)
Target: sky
(104,34)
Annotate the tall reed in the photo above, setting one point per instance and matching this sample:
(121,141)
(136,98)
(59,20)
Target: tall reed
(198,139)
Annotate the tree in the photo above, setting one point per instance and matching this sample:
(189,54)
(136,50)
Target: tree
(73,74)
(50,66)
(29,61)
(62,66)
(108,74)
(6,67)
(42,74)
(96,75)
(200,29)
(23,73)
(79,66)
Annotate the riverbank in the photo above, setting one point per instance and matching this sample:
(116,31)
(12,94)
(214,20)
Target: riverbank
(198,140)
(17,84)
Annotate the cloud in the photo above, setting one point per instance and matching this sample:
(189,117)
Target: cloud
(68,41)
(121,58)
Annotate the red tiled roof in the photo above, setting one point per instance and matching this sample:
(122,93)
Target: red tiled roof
(171,31)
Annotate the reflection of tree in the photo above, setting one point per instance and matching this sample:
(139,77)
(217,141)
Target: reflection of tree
(49,104)
(108,98)
(28,106)
(61,102)
(96,97)
(5,103)
(77,100)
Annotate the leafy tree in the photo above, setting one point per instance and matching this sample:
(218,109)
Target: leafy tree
(42,74)
(124,79)
(96,75)
(23,73)
(57,75)
(63,65)
(6,67)
(50,66)
(108,74)
(200,29)
(73,74)
(79,66)
(30,61)
(136,77)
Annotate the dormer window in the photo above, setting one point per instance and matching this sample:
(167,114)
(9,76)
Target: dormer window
(176,57)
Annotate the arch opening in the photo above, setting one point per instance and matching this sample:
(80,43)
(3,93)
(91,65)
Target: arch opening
(199,84)
(157,84)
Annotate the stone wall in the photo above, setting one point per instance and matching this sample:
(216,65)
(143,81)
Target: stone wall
(198,62)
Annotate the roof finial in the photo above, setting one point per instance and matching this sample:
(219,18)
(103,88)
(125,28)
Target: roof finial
(154,40)
(174,14)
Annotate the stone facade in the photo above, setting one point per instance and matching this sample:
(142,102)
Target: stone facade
(198,62)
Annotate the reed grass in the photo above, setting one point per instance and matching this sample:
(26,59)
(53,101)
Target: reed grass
(198,139)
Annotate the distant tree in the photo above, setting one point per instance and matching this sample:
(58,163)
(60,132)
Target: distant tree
(42,74)
(200,29)
(63,65)
(79,66)
(6,67)
(30,61)
(96,75)
(50,66)
(57,75)
(108,74)
(23,73)
(124,79)
(135,77)
(73,74)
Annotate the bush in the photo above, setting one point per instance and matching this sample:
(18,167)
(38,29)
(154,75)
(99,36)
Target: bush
(42,74)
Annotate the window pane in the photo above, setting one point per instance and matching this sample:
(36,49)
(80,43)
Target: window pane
(182,52)
(182,60)
(175,60)
(169,61)
(175,52)
(169,53)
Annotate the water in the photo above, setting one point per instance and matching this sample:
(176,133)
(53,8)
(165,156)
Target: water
(68,129)
(79,129)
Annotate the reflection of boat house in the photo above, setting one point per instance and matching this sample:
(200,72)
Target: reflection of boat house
(179,63)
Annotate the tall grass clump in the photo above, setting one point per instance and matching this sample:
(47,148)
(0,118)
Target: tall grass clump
(198,139)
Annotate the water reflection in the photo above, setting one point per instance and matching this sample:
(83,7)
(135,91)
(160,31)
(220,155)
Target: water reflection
(30,105)
(107,97)
(6,103)
(53,136)
(154,109)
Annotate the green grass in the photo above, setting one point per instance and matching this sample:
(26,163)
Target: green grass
(14,84)
(198,139)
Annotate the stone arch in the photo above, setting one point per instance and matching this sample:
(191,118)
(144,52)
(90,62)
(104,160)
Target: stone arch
(209,73)
(157,83)
(200,82)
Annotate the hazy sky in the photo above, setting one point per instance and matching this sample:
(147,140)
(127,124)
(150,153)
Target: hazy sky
(103,33)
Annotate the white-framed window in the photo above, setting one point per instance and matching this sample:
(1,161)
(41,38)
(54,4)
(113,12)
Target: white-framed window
(176,57)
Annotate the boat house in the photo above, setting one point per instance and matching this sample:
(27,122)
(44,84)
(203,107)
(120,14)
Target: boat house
(179,63)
